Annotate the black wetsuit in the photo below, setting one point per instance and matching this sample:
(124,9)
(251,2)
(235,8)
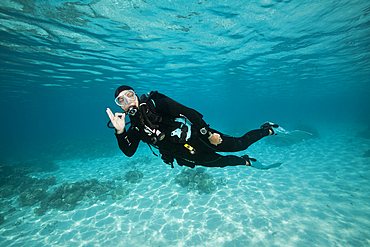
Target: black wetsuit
(205,153)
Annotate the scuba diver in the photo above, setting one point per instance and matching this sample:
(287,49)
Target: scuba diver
(178,132)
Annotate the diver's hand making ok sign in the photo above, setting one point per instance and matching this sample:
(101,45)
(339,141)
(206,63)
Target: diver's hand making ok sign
(118,120)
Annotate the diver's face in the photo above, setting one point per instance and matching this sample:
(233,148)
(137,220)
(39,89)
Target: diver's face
(127,99)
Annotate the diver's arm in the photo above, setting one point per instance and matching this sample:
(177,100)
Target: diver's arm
(127,142)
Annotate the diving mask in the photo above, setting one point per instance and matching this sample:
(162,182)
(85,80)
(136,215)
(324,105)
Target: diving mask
(126,98)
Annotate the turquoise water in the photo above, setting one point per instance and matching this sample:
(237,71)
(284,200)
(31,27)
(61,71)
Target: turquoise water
(239,63)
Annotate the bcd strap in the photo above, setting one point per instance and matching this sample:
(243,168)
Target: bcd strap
(182,134)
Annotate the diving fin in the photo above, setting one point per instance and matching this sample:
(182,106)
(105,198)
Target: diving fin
(256,164)
(289,137)
(259,165)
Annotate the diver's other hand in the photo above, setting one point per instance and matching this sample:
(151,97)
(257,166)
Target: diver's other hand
(118,120)
(215,139)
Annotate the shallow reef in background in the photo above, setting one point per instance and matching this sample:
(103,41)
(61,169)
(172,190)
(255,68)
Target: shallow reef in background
(133,176)
(198,180)
(18,190)
(14,181)
(67,196)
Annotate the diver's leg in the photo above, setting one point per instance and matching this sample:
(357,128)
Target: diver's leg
(214,160)
(231,160)
(234,144)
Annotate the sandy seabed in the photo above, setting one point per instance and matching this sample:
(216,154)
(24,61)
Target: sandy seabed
(320,196)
